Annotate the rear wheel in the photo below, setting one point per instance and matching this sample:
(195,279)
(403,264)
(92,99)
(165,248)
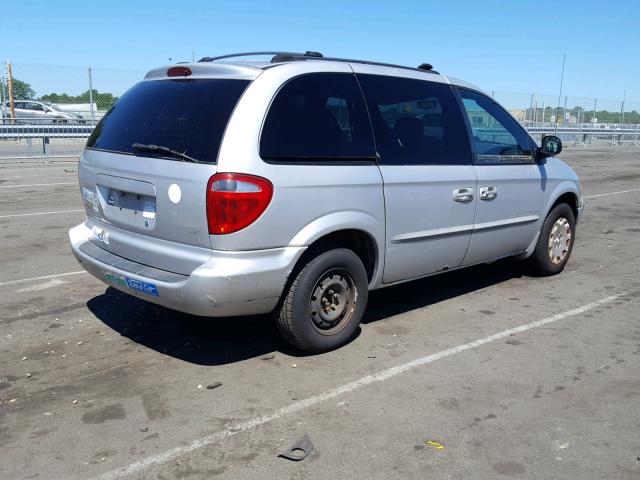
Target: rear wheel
(555,242)
(323,306)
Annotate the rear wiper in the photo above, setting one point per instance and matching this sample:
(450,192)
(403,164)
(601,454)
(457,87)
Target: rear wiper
(162,149)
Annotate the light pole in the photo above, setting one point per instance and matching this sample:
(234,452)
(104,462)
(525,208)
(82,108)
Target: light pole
(564,57)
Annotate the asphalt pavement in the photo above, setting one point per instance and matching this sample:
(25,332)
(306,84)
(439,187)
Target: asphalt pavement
(482,373)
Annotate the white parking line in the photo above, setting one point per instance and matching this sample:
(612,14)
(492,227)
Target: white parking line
(39,213)
(141,465)
(38,185)
(613,193)
(44,277)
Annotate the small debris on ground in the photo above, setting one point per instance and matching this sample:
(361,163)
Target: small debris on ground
(200,387)
(80,343)
(24,358)
(268,357)
(294,365)
(144,430)
(75,402)
(434,444)
(213,385)
(371,356)
(299,450)
(27,375)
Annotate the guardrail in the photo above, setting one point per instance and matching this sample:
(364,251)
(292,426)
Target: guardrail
(45,131)
(587,134)
(33,140)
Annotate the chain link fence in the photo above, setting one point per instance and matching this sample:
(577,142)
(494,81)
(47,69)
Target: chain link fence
(576,120)
(56,108)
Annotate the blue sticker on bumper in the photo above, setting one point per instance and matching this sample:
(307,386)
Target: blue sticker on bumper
(131,283)
(140,286)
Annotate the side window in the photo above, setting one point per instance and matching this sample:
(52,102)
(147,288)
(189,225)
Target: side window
(320,116)
(497,137)
(416,122)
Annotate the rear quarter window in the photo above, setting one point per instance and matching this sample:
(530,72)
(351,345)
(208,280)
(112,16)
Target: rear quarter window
(187,115)
(319,116)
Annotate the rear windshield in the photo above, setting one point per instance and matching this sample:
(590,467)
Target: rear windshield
(185,115)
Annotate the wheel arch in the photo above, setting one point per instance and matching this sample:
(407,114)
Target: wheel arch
(565,193)
(358,231)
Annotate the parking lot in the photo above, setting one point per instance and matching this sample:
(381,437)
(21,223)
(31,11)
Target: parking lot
(479,373)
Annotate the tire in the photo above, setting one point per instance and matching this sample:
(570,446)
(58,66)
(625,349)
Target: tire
(324,303)
(555,242)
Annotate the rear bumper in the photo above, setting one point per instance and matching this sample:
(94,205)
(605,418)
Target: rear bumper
(228,284)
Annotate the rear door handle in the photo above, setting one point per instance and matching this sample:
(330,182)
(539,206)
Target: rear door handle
(488,193)
(463,195)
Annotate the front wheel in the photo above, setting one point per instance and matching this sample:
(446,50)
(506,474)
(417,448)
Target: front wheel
(555,242)
(323,306)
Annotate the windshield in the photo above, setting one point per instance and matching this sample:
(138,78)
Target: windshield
(188,116)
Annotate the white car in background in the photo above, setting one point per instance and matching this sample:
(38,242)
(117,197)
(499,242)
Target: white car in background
(40,112)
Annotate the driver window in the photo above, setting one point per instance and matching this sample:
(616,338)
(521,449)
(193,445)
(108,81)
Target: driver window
(497,137)
(34,106)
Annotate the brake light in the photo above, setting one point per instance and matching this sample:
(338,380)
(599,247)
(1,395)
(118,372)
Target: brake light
(178,72)
(235,201)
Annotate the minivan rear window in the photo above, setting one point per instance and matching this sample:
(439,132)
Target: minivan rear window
(186,115)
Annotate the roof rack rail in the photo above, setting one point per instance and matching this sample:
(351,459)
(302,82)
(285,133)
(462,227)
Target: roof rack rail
(276,54)
(279,57)
(306,56)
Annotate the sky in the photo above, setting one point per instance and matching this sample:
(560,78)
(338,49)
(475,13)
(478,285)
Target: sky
(507,46)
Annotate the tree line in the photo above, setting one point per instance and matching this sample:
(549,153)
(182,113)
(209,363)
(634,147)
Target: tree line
(104,100)
(23,91)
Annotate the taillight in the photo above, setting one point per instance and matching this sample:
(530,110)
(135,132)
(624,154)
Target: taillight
(179,72)
(235,201)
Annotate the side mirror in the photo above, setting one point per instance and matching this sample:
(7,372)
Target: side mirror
(549,147)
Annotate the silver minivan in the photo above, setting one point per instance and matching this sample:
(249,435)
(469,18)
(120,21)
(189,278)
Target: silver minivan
(297,184)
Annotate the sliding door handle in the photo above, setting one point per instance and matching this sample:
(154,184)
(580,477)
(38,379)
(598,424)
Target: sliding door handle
(463,195)
(488,193)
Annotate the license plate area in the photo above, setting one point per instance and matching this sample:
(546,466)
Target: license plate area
(127,208)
